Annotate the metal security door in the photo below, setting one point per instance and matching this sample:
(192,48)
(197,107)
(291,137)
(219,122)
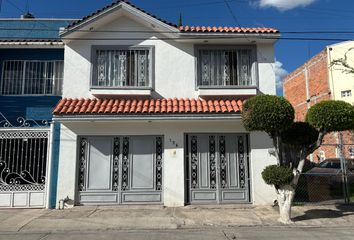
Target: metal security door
(23,168)
(218,171)
(118,170)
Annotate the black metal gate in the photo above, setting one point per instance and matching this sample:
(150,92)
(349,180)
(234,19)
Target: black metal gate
(23,167)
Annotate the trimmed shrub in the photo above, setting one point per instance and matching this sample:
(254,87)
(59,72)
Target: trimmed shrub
(300,134)
(331,116)
(277,175)
(267,113)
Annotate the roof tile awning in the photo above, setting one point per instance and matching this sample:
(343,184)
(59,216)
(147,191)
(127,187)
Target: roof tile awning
(213,29)
(68,106)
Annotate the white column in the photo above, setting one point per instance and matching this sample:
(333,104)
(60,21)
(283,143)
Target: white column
(173,173)
(49,166)
(67,165)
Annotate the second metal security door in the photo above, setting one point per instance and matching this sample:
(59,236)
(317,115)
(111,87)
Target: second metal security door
(218,168)
(121,169)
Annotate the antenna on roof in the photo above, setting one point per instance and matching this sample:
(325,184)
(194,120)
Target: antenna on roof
(27,15)
(180,23)
(0,5)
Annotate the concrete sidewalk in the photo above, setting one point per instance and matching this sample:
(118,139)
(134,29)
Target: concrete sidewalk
(157,217)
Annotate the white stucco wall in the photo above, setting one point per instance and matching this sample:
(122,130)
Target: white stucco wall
(266,75)
(260,143)
(173,165)
(174,63)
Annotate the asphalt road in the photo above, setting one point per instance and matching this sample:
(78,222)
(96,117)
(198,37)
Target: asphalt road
(238,233)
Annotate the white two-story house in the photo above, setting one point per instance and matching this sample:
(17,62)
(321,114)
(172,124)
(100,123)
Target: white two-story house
(151,111)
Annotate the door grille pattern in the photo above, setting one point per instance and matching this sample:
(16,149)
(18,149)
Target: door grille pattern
(158,163)
(241,156)
(23,161)
(125,164)
(212,159)
(116,152)
(223,162)
(194,162)
(82,163)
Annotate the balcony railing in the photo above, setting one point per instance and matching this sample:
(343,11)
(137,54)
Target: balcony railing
(22,77)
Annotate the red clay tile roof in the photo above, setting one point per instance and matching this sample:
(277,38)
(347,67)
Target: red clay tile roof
(213,29)
(183,29)
(113,5)
(68,106)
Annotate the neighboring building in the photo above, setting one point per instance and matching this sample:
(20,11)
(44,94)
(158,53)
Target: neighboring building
(319,79)
(151,112)
(31,73)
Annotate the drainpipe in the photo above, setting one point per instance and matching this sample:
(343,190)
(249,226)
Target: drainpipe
(49,162)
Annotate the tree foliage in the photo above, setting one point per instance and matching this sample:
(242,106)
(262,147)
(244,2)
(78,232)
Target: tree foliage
(267,113)
(277,175)
(300,134)
(331,116)
(293,141)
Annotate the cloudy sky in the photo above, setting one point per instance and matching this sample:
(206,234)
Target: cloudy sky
(285,15)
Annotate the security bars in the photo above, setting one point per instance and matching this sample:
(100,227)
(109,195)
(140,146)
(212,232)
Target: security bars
(122,68)
(21,77)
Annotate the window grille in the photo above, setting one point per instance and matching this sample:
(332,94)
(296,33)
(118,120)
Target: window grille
(347,93)
(122,68)
(225,67)
(20,77)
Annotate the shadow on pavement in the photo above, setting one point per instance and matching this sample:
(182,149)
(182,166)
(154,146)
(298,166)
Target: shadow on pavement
(340,211)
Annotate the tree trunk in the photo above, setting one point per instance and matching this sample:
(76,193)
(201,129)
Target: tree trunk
(285,196)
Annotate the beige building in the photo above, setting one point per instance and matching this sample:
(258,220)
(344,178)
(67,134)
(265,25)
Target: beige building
(340,76)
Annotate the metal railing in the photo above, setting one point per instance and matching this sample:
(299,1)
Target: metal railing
(32,77)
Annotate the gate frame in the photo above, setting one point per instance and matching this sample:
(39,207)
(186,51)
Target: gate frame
(187,199)
(119,192)
(49,130)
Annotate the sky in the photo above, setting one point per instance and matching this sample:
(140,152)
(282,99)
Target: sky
(285,15)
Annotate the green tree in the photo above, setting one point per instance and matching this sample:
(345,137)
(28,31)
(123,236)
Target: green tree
(293,141)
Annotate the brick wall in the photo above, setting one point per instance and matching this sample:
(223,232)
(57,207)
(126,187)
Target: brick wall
(307,86)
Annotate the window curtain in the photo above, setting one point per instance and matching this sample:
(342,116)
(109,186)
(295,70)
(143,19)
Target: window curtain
(119,68)
(225,67)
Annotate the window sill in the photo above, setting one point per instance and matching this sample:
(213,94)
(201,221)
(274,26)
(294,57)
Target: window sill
(121,92)
(227,91)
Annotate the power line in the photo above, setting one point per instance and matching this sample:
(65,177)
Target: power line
(190,38)
(152,31)
(15,6)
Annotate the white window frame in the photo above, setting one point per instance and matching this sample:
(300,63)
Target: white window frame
(254,66)
(351,152)
(151,58)
(321,155)
(346,93)
(24,79)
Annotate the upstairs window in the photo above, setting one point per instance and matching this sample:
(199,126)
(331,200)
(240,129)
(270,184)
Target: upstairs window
(121,68)
(226,67)
(31,77)
(347,93)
